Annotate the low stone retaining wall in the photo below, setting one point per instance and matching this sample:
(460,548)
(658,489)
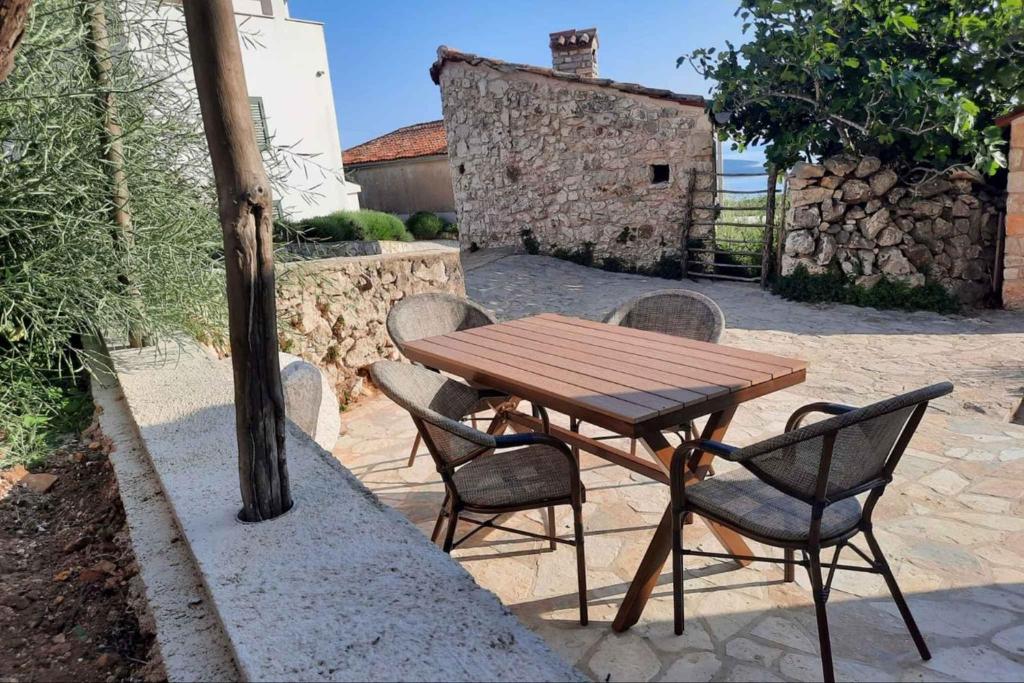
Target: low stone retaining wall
(332,312)
(863,217)
(316,250)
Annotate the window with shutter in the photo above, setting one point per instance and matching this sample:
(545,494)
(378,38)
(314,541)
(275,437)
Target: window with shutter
(259,122)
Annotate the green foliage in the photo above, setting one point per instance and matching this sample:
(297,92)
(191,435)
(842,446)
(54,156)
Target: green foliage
(67,269)
(530,242)
(918,83)
(343,226)
(834,287)
(425,225)
(582,255)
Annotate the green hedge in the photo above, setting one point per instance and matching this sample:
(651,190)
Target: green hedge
(425,225)
(835,287)
(343,226)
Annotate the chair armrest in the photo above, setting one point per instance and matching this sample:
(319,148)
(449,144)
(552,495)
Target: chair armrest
(821,407)
(682,456)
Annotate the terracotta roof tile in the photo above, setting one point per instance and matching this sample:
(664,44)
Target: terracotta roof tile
(446,54)
(420,140)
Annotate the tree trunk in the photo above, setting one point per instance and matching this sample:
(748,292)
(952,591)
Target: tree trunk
(246,219)
(113,147)
(13,14)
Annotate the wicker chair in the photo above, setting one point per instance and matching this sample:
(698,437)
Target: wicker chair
(484,473)
(436,313)
(678,312)
(797,491)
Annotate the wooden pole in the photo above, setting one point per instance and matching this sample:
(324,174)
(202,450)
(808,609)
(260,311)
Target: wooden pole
(113,145)
(769,225)
(13,15)
(246,220)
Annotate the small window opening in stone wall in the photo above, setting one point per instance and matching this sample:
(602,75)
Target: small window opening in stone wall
(660,173)
(462,169)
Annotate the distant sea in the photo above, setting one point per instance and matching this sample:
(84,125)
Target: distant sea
(745,166)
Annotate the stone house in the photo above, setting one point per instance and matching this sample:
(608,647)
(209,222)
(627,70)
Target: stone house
(404,171)
(567,158)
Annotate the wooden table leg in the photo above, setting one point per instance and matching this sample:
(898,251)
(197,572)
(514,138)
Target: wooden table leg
(660,547)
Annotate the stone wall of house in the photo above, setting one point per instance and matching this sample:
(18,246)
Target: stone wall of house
(859,215)
(571,162)
(332,312)
(1013,252)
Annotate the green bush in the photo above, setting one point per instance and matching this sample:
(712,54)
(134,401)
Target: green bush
(425,225)
(583,255)
(530,242)
(343,226)
(834,287)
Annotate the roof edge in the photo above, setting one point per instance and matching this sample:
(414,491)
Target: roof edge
(1010,117)
(446,54)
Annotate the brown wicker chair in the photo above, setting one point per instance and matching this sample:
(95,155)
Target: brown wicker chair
(797,491)
(435,313)
(484,473)
(678,312)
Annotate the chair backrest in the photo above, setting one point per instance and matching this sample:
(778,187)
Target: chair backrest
(679,312)
(436,403)
(433,313)
(866,445)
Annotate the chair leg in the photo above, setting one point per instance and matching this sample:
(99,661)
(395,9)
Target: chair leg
(790,570)
(897,596)
(415,448)
(472,420)
(818,589)
(581,563)
(677,571)
(440,518)
(574,426)
(449,537)
(549,527)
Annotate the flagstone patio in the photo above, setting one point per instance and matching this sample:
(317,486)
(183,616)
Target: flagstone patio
(951,523)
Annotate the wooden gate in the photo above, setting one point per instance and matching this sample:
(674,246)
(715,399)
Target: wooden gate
(743,226)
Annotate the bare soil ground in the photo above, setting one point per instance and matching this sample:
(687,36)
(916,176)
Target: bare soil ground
(68,584)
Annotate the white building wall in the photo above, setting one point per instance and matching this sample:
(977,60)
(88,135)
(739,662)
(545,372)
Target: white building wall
(285,63)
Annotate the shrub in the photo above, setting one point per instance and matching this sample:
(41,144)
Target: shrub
(530,243)
(583,255)
(425,225)
(833,286)
(343,226)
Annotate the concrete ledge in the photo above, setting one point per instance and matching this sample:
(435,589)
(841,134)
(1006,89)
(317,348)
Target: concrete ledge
(340,588)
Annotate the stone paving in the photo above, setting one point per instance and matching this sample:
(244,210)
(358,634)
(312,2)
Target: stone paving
(951,523)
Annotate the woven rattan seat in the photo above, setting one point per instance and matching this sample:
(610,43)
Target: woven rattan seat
(798,491)
(741,500)
(678,312)
(533,475)
(486,473)
(435,313)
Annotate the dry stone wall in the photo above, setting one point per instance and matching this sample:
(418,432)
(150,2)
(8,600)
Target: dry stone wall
(856,214)
(571,162)
(332,312)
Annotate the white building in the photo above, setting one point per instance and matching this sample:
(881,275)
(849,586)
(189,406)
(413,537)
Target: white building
(292,101)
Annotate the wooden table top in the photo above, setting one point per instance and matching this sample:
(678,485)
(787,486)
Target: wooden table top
(615,377)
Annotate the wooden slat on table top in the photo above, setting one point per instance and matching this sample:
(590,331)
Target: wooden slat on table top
(584,380)
(514,348)
(640,336)
(559,395)
(618,349)
(623,359)
(592,370)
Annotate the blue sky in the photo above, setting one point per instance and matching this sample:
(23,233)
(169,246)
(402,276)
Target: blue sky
(380,51)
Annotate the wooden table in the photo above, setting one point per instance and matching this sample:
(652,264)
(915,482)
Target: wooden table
(631,382)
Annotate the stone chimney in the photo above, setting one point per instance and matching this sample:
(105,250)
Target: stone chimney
(575,52)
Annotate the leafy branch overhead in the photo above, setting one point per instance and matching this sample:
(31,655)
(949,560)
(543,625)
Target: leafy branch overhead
(919,83)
